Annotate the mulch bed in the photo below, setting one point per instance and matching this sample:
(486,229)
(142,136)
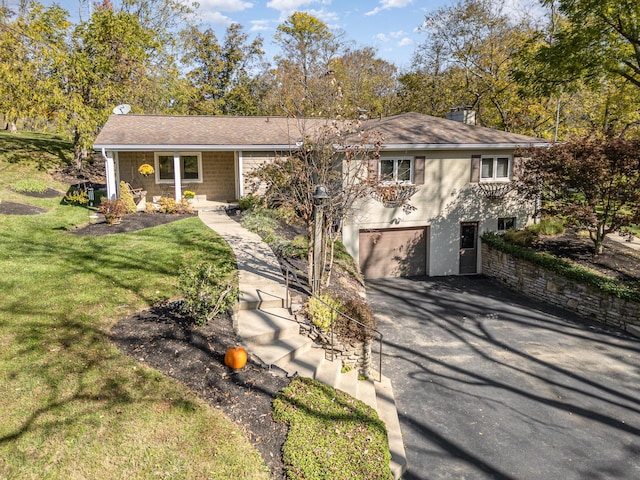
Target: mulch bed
(161,338)
(617,261)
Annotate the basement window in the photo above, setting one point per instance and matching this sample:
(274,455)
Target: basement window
(506,223)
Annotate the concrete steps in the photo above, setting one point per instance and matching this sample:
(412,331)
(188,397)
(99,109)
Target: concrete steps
(272,338)
(271,335)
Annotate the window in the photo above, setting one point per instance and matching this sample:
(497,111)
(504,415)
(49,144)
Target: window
(396,170)
(190,168)
(494,168)
(506,223)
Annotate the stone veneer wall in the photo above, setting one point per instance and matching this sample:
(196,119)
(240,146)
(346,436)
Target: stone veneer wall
(537,282)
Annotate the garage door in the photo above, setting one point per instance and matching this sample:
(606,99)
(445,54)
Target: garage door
(394,252)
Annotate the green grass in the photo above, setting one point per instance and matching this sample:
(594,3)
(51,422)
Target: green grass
(349,441)
(72,405)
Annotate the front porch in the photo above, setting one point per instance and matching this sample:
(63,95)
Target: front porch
(198,203)
(212,176)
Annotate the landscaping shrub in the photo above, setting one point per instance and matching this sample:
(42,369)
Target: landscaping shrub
(207,290)
(249,202)
(322,311)
(358,310)
(259,221)
(127,198)
(76,197)
(169,205)
(547,226)
(524,237)
(113,210)
(29,185)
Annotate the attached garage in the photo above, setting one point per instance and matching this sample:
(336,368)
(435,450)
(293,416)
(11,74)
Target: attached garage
(394,252)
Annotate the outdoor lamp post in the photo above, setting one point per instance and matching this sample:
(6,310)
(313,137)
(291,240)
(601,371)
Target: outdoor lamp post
(320,195)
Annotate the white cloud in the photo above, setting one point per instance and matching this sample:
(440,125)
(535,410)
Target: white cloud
(398,34)
(224,5)
(405,42)
(389,37)
(329,18)
(259,25)
(215,18)
(389,4)
(288,5)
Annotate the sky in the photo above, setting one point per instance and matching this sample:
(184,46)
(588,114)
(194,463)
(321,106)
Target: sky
(390,26)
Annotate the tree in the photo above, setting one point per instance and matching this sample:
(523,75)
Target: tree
(334,154)
(468,59)
(367,83)
(593,183)
(220,77)
(594,39)
(302,83)
(108,65)
(32,54)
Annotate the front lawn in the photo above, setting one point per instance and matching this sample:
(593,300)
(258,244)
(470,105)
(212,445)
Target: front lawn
(72,405)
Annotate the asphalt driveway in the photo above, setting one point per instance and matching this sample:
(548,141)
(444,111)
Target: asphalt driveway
(489,384)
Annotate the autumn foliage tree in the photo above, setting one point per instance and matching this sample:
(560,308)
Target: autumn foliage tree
(335,154)
(592,183)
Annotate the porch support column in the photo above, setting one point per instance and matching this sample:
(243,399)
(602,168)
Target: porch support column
(110,170)
(240,175)
(177,175)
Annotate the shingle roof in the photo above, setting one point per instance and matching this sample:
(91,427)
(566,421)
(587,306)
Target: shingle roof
(415,128)
(123,132)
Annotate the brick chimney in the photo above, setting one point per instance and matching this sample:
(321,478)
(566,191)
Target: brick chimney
(465,114)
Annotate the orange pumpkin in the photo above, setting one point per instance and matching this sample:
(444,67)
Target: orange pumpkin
(236,357)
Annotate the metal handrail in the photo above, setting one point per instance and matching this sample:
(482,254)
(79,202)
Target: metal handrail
(289,269)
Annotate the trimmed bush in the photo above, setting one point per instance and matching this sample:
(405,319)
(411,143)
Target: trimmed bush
(169,205)
(76,197)
(248,202)
(523,237)
(126,197)
(322,311)
(29,185)
(113,210)
(208,292)
(547,226)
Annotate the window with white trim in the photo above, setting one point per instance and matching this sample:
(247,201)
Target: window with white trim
(495,168)
(190,168)
(398,170)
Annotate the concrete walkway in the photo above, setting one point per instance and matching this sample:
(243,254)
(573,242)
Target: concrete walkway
(634,243)
(271,334)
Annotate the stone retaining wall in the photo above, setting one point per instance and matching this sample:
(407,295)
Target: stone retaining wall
(353,355)
(537,282)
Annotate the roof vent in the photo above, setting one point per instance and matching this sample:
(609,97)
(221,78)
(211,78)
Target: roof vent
(464,114)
